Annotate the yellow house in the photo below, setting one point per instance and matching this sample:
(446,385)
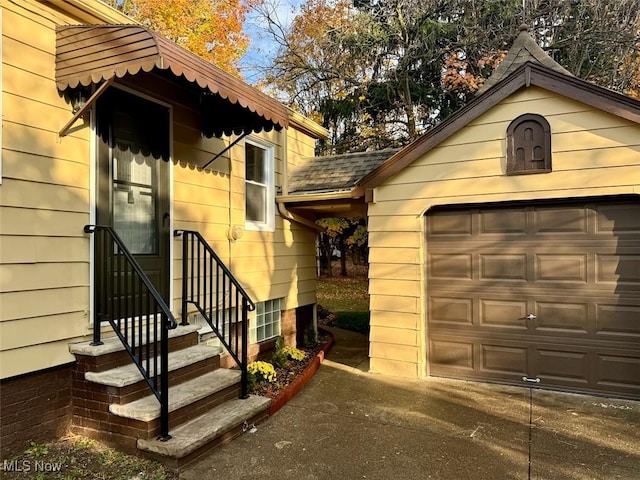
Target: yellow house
(137,195)
(504,244)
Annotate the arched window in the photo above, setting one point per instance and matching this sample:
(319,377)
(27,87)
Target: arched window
(528,145)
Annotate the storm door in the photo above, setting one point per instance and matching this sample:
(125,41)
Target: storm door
(133,180)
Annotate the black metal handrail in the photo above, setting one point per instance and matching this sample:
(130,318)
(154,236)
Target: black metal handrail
(217,295)
(125,297)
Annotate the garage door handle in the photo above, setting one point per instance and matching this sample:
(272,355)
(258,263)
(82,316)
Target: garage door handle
(531,380)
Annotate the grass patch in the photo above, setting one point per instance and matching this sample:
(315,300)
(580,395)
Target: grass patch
(79,458)
(348,298)
(344,294)
(354,321)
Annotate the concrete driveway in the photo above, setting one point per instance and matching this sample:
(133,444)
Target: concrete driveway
(349,424)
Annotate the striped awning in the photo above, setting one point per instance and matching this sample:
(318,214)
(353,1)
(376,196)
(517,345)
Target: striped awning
(92,54)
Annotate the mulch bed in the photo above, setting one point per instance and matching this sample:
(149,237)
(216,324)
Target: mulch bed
(294,374)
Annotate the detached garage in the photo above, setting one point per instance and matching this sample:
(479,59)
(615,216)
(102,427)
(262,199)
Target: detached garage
(505,242)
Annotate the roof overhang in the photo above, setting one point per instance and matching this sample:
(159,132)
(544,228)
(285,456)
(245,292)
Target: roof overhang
(327,204)
(92,54)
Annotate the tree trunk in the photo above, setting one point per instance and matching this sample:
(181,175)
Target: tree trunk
(343,256)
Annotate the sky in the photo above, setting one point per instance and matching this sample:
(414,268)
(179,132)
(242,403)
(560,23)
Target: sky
(262,48)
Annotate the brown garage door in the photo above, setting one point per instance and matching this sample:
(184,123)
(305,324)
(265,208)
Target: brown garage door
(542,294)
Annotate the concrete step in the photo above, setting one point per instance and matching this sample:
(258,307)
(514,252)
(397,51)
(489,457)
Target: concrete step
(148,408)
(129,374)
(113,344)
(218,425)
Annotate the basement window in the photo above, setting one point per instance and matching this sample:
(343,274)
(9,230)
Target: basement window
(267,322)
(528,145)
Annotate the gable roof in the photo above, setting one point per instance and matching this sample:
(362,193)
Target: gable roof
(90,54)
(524,76)
(333,173)
(524,49)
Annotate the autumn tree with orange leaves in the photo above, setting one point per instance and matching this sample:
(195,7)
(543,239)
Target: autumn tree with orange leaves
(211,29)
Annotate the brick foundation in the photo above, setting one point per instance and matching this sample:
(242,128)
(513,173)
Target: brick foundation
(34,407)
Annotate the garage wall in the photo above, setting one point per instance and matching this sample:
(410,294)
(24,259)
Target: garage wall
(593,154)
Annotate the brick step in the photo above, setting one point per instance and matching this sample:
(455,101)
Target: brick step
(185,394)
(129,374)
(194,438)
(112,353)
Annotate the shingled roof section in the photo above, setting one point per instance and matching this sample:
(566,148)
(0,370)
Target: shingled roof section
(524,49)
(335,172)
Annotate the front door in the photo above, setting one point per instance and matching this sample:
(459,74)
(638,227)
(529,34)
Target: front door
(133,179)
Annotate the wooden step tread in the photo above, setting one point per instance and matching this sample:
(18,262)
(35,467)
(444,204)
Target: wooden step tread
(129,374)
(187,438)
(148,408)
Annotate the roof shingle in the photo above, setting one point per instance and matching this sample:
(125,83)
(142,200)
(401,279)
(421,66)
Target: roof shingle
(335,172)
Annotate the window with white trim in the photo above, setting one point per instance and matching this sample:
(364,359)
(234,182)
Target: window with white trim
(259,186)
(266,324)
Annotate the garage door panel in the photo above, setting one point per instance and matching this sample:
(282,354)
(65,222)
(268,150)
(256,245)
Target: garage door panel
(451,310)
(563,365)
(618,372)
(561,268)
(570,220)
(618,320)
(446,224)
(451,266)
(617,219)
(557,318)
(509,314)
(574,268)
(618,269)
(503,361)
(505,267)
(452,356)
(509,222)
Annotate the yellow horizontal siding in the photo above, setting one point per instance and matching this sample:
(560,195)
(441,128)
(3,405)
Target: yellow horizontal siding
(22,55)
(408,321)
(395,336)
(24,221)
(398,254)
(491,184)
(392,351)
(409,288)
(394,270)
(35,141)
(38,276)
(385,366)
(395,239)
(35,357)
(17,305)
(43,196)
(44,169)
(394,303)
(37,330)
